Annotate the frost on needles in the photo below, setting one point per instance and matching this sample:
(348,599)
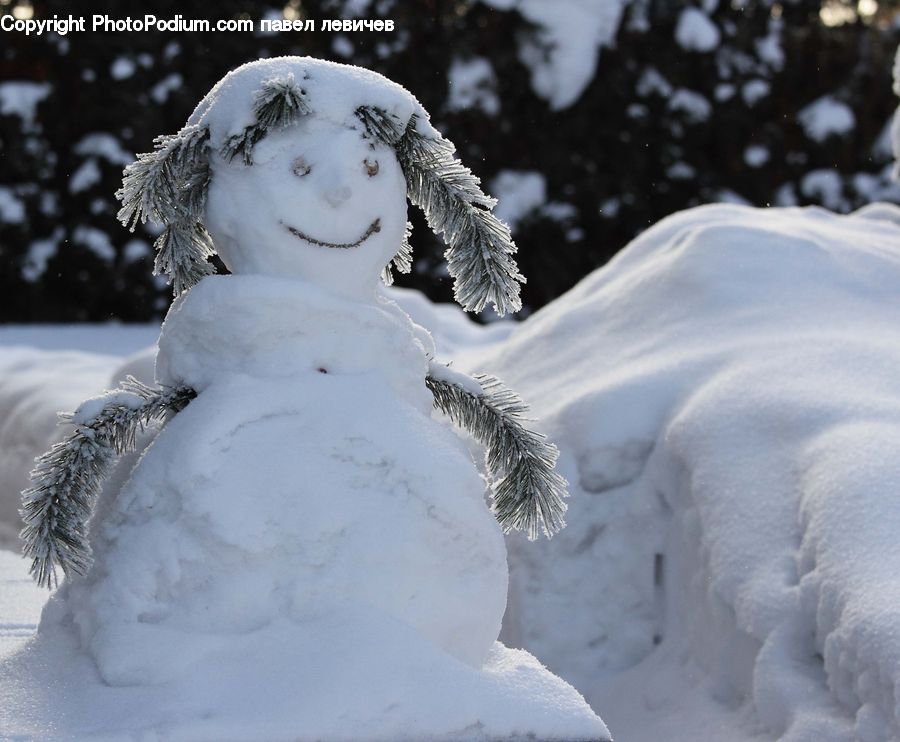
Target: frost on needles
(528,492)
(67,479)
(480,252)
(169,185)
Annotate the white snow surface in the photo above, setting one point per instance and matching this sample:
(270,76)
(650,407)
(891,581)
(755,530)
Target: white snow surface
(334,91)
(724,398)
(730,565)
(302,553)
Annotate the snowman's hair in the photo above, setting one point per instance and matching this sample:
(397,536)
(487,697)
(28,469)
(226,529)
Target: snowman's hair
(280,102)
(170,184)
(480,248)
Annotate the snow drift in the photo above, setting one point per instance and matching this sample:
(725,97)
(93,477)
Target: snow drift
(726,397)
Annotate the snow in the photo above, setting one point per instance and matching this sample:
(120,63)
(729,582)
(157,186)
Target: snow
(754,91)
(393,600)
(722,395)
(95,240)
(696,32)
(87,175)
(122,68)
(20,98)
(472,85)
(692,104)
(826,186)
(334,91)
(518,193)
(563,56)
(895,127)
(105,145)
(164,88)
(756,155)
(305,551)
(826,117)
(730,560)
(34,386)
(12,210)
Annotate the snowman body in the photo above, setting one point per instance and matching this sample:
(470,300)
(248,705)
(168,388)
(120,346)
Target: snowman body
(307,479)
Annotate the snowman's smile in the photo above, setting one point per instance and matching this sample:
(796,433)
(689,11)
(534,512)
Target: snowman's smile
(373,228)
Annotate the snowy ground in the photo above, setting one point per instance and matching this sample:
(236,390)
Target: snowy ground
(725,398)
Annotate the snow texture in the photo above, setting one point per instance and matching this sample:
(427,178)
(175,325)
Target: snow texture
(696,32)
(729,434)
(518,193)
(826,117)
(304,551)
(563,56)
(34,386)
(368,586)
(895,126)
(472,84)
(20,98)
(12,210)
(723,394)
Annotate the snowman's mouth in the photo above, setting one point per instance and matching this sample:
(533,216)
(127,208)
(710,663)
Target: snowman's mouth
(373,228)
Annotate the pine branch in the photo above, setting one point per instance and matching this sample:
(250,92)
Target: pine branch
(181,253)
(68,478)
(527,491)
(480,252)
(402,261)
(279,103)
(169,184)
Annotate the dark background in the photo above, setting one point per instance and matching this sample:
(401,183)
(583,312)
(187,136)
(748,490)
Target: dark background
(607,159)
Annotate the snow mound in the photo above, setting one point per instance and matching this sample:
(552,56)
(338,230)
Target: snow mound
(726,401)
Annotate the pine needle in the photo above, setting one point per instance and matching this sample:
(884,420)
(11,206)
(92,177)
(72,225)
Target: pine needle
(67,479)
(480,253)
(527,492)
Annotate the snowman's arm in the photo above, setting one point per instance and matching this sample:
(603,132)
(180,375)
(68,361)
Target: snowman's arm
(527,490)
(67,479)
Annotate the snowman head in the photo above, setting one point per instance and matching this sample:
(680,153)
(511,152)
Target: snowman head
(300,168)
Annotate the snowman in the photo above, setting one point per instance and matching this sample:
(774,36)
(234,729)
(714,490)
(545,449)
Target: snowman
(304,540)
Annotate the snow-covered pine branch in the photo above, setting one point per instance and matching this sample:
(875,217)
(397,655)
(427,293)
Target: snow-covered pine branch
(402,260)
(169,186)
(528,492)
(279,103)
(480,248)
(67,479)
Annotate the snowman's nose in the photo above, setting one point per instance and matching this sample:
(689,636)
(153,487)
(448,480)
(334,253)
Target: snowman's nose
(337,195)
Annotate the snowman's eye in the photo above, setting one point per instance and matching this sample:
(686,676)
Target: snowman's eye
(299,167)
(371,167)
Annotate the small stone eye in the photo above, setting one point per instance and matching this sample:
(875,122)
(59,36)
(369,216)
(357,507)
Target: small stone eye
(300,168)
(371,167)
